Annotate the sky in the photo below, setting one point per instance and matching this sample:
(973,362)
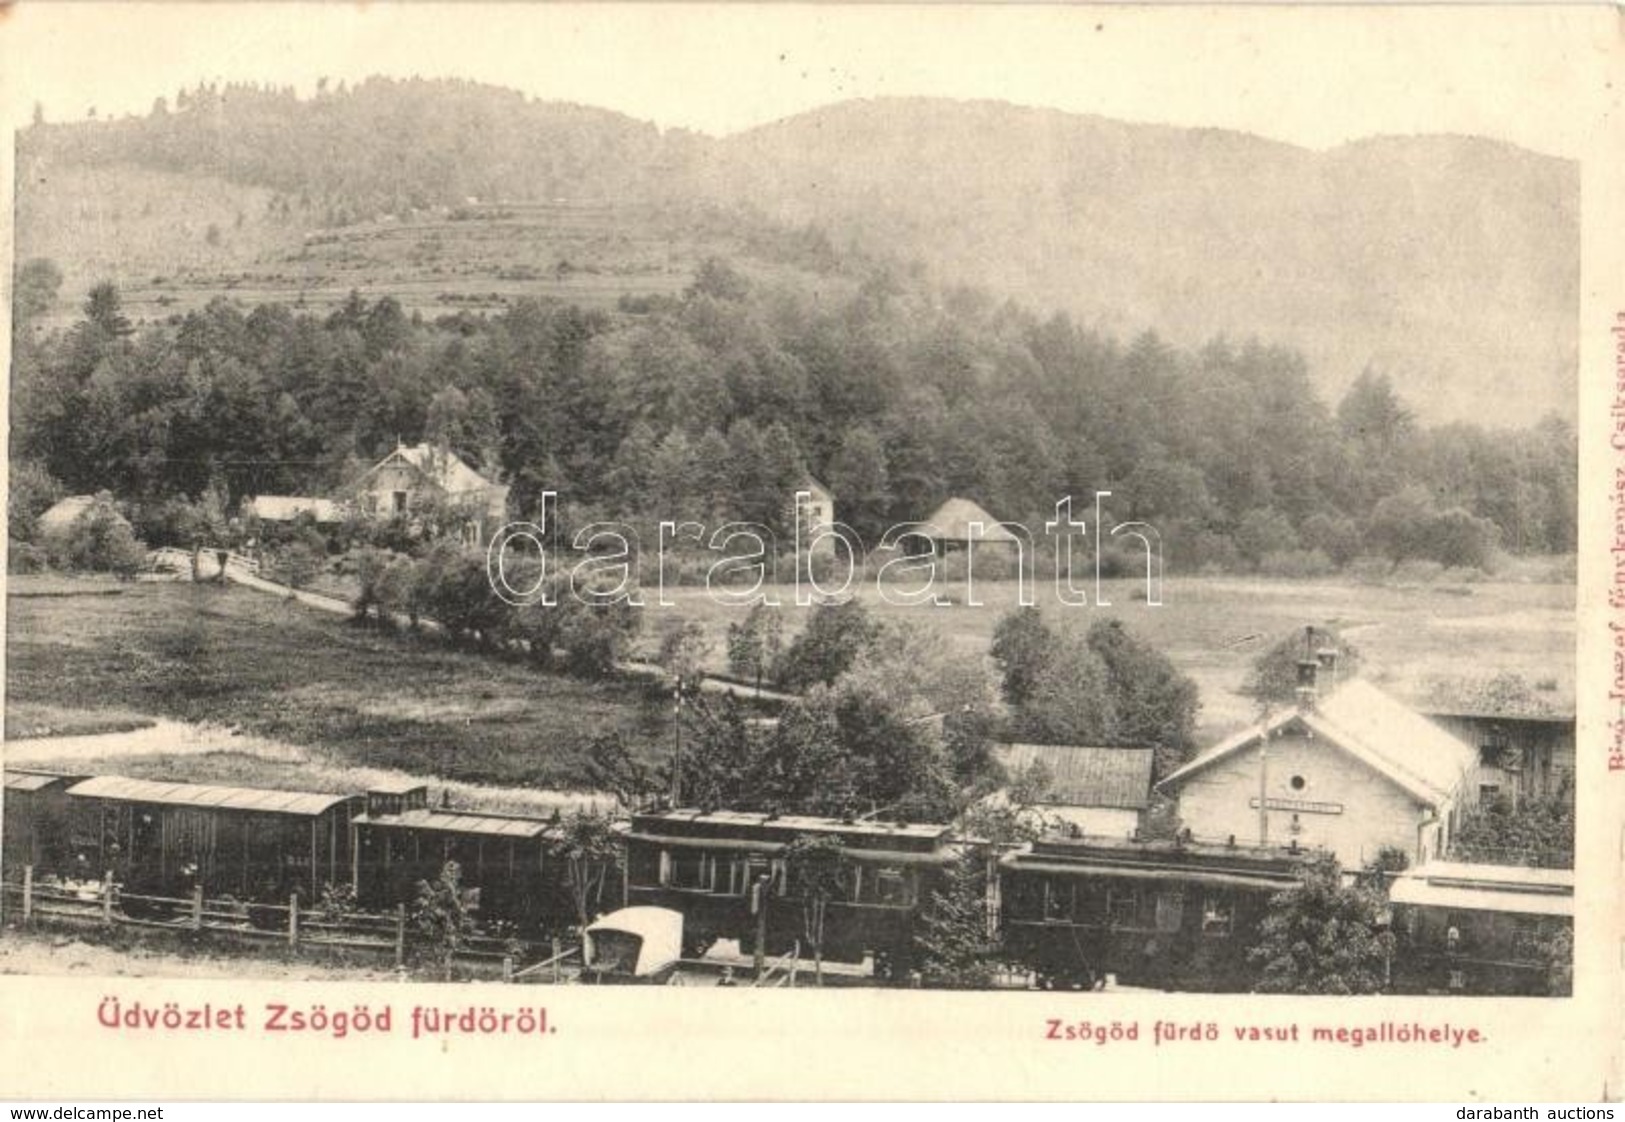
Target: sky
(1316,77)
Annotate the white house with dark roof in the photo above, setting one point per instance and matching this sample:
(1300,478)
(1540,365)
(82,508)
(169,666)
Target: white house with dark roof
(1352,772)
(413,477)
(1101,791)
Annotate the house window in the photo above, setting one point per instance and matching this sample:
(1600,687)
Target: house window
(1488,792)
(1218,917)
(1299,783)
(398,502)
(690,870)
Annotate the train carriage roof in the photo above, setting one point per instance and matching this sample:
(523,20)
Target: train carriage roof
(208,797)
(459,822)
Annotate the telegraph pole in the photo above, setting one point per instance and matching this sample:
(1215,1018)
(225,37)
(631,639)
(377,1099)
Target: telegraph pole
(677,746)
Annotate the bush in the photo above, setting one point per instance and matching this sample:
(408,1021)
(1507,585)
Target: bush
(25,557)
(100,540)
(1296,564)
(32,490)
(1417,571)
(1334,535)
(1370,570)
(1265,531)
(295,564)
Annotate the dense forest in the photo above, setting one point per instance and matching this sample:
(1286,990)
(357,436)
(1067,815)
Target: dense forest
(713,404)
(404,144)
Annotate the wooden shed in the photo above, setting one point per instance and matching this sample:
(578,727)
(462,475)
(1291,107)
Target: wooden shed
(162,837)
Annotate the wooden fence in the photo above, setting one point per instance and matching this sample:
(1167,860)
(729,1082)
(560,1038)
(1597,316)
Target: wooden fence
(293,924)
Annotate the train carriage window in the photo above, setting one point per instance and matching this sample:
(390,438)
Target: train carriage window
(642,866)
(1218,917)
(1170,911)
(1024,897)
(690,869)
(883,884)
(1123,906)
(1058,901)
(744,872)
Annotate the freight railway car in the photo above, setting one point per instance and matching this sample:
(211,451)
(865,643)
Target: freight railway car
(36,820)
(507,873)
(163,838)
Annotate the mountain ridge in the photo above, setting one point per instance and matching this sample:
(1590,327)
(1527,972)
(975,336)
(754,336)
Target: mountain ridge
(1448,261)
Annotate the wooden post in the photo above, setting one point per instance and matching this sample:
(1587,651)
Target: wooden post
(558,968)
(293,920)
(107,899)
(759,896)
(507,968)
(28,892)
(197,907)
(400,934)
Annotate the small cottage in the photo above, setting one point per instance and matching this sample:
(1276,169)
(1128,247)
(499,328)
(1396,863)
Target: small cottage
(411,480)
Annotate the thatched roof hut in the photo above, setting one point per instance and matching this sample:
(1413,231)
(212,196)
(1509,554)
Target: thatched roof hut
(949,526)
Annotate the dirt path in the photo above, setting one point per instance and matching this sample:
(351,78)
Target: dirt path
(238,575)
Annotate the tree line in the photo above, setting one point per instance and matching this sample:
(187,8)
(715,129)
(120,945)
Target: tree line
(716,405)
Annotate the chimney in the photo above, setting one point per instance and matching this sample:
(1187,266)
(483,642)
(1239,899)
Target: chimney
(1308,672)
(1327,657)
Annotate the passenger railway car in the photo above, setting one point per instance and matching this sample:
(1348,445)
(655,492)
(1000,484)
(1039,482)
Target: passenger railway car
(705,864)
(1166,914)
(1483,929)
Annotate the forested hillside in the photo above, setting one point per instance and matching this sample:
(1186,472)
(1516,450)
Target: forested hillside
(1449,263)
(711,404)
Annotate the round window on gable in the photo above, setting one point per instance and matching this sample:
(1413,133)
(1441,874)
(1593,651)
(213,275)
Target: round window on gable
(1299,783)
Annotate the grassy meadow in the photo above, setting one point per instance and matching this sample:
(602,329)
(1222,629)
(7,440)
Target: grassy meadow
(306,699)
(243,660)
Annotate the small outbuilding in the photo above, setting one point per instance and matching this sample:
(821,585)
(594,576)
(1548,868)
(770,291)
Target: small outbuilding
(1096,791)
(957,523)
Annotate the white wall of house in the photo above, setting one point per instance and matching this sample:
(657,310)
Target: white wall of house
(1316,793)
(378,497)
(1096,821)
